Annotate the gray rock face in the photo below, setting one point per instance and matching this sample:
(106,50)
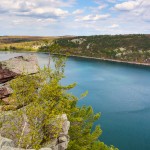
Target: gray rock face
(12,148)
(59,143)
(9,70)
(5,91)
(16,66)
(6,142)
(65,125)
(13,67)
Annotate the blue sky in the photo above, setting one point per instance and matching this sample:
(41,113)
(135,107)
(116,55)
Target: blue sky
(74,17)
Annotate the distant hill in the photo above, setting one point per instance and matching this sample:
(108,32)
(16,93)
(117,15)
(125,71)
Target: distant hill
(18,39)
(23,43)
(120,47)
(134,47)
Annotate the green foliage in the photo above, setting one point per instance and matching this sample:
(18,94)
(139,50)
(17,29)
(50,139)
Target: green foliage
(82,136)
(134,47)
(51,47)
(40,99)
(120,47)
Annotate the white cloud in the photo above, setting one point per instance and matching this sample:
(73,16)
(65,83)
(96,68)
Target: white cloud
(78,12)
(36,8)
(60,17)
(100,7)
(46,12)
(93,17)
(130,5)
(111,1)
(137,8)
(17,22)
(114,26)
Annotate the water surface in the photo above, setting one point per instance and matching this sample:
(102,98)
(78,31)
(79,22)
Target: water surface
(121,92)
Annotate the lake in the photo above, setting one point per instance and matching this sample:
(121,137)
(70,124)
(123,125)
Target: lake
(121,92)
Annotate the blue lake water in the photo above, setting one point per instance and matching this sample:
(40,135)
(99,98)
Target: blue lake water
(121,92)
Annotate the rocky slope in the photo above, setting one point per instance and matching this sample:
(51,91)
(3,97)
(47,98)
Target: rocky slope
(12,68)
(9,70)
(59,143)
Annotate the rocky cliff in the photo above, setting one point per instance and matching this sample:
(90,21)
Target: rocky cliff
(9,70)
(59,143)
(16,66)
(12,68)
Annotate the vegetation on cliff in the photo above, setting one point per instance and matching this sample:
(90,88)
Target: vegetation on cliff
(41,98)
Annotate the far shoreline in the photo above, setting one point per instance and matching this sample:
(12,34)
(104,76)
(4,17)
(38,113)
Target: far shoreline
(112,60)
(87,57)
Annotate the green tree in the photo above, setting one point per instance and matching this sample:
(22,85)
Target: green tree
(39,99)
(83,136)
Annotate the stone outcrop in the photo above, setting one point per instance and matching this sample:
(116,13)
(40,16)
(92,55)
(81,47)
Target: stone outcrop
(59,143)
(5,91)
(6,142)
(8,119)
(8,71)
(13,67)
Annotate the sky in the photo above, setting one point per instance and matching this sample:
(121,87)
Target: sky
(74,17)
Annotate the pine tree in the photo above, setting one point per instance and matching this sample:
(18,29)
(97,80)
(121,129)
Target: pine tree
(39,99)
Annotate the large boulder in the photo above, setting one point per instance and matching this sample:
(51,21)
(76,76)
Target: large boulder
(61,142)
(13,67)
(13,148)
(5,91)
(6,142)
(10,131)
(13,123)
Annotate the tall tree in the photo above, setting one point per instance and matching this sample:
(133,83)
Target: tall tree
(40,99)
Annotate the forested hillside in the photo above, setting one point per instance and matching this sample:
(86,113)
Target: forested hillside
(121,47)
(134,48)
